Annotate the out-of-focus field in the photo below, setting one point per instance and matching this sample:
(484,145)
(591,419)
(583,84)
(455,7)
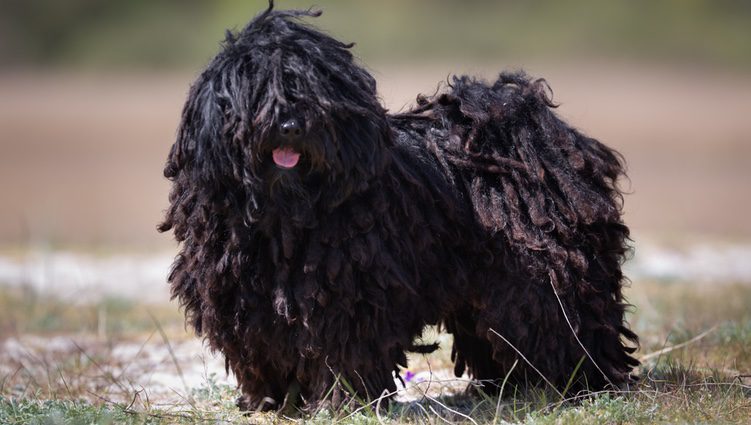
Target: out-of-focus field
(89,337)
(81,155)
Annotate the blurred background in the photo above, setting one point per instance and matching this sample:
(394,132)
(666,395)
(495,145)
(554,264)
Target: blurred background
(91,92)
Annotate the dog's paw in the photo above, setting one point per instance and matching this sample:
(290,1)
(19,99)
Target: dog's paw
(247,403)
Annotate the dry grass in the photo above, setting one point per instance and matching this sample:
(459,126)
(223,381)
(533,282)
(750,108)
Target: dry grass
(59,366)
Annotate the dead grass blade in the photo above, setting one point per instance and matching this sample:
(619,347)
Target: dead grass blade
(678,346)
(547,381)
(573,332)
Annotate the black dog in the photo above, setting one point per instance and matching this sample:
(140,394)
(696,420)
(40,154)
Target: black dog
(321,234)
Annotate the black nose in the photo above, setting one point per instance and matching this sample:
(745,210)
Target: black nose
(290,129)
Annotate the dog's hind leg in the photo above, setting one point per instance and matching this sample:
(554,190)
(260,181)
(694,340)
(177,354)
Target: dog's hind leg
(558,340)
(262,387)
(473,354)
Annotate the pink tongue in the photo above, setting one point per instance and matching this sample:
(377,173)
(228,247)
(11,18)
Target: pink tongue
(285,157)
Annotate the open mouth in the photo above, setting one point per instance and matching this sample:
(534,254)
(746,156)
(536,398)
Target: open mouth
(285,157)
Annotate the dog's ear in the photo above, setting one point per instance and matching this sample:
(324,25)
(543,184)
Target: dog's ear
(200,129)
(188,158)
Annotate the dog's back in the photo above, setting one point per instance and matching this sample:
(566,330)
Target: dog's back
(546,201)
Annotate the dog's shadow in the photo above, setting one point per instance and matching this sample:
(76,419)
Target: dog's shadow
(471,404)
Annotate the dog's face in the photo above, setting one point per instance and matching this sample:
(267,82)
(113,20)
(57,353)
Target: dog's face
(284,111)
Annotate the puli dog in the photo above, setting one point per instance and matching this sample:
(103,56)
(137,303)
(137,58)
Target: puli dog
(321,234)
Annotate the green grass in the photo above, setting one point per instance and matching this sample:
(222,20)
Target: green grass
(671,394)
(178,33)
(693,380)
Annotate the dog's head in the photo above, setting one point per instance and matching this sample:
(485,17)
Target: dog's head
(285,114)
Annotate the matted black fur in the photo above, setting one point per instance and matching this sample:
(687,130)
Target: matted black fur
(478,210)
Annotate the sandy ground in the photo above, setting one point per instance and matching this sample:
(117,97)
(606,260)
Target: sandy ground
(81,155)
(83,277)
(167,376)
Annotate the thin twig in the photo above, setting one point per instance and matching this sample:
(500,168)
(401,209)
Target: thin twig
(405,389)
(385,394)
(137,355)
(527,361)
(65,383)
(107,374)
(565,316)
(500,394)
(163,415)
(378,407)
(677,346)
(159,328)
(430,381)
(588,394)
(439,416)
(449,409)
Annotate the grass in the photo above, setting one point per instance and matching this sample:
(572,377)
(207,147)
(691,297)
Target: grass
(701,336)
(671,394)
(26,311)
(156,33)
